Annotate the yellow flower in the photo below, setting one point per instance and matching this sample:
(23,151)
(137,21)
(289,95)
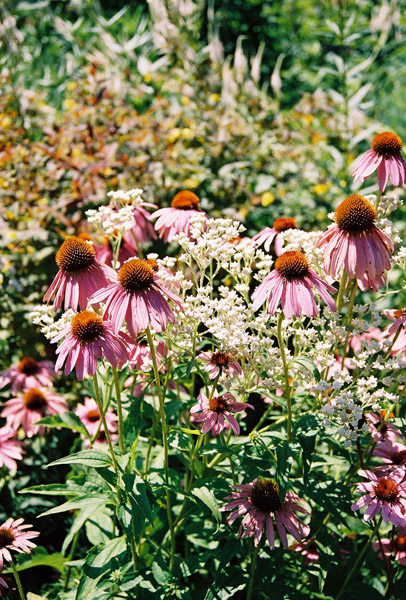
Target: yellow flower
(9,215)
(187,133)
(185,101)
(69,104)
(214,98)
(191,182)
(321,188)
(267,198)
(147,77)
(174,135)
(72,85)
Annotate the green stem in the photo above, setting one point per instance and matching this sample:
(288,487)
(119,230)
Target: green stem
(252,572)
(360,559)
(394,340)
(17,579)
(106,431)
(378,201)
(286,376)
(341,290)
(165,445)
(119,411)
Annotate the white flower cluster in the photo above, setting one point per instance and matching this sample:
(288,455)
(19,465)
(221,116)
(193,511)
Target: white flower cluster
(113,222)
(305,241)
(44,315)
(121,197)
(349,415)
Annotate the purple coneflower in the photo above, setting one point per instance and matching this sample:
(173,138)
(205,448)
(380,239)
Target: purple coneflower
(14,537)
(220,362)
(395,548)
(176,218)
(383,494)
(136,297)
(79,276)
(32,406)
(28,373)
(291,284)
(393,454)
(396,332)
(87,338)
(215,409)
(10,448)
(385,157)
(259,504)
(356,244)
(381,429)
(89,414)
(267,235)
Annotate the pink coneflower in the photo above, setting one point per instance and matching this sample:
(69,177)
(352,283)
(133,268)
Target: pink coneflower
(14,537)
(220,362)
(356,244)
(28,373)
(386,494)
(260,503)
(176,219)
(31,407)
(89,337)
(367,337)
(142,229)
(291,284)
(10,448)
(79,276)
(381,429)
(395,548)
(396,330)
(386,157)
(393,454)
(89,414)
(136,297)
(267,235)
(139,355)
(309,551)
(215,409)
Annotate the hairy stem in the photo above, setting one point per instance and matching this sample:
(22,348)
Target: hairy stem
(286,376)
(17,580)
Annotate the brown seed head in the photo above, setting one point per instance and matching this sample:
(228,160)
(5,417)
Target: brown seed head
(87,326)
(292,265)
(136,275)
(75,255)
(28,366)
(399,544)
(186,200)
(265,496)
(6,537)
(399,458)
(355,214)
(218,404)
(34,399)
(220,359)
(284,223)
(386,490)
(387,144)
(93,415)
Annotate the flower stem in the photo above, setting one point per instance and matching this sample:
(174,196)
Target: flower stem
(341,290)
(360,559)
(252,572)
(119,411)
(17,579)
(165,445)
(106,431)
(286,375)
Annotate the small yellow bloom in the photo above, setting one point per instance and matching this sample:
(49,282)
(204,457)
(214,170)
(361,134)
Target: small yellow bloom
(76,152)
(191,182)
(321,188)
(147,77)
(185,101)
(69,104)
(6,122)
(30,249)
(72,85)
(243,212)
(9,215)
(1,279)
(174,135)
(214,98)
(187,133)
(267,198)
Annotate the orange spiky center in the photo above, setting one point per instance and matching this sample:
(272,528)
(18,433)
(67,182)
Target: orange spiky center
(220,359)
(93,416)
(355,214)
(75,255)
(284,223)
(265,496)
(186,200)
(292,265)
(6,537)
(399,544)
(87,326)
(218,404)
(34,399)
(387,144)
(136,275)
(28,366)
(386,490)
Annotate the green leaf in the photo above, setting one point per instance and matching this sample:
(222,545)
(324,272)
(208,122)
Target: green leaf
(137,490)
(99,561)
(42,559)
(67,420)
(307,429)
(79,502)
(209,499)
(88,458)
(31,596)
(287,454)
(308,364)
